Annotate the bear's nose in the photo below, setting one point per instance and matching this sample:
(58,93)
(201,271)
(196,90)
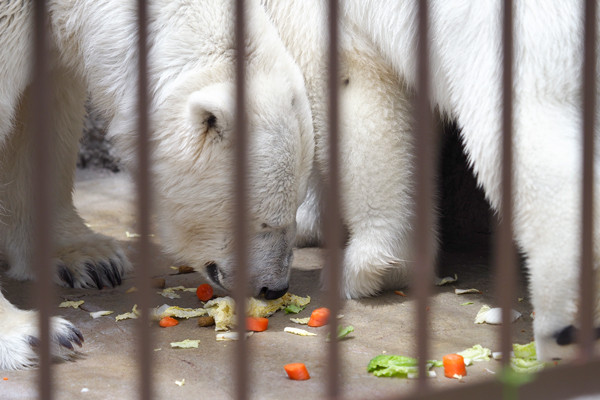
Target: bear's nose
(274,294)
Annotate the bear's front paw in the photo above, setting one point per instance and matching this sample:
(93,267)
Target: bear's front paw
(97,261)
(19,339)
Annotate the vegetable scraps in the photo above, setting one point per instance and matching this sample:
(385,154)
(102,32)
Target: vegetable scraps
(204,292)
(257,324)
(297,371)
(525,359)
(454,366)
(167,322)
(319,317)
(397,366)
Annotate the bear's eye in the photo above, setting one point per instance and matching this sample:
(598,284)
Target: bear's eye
(346,81)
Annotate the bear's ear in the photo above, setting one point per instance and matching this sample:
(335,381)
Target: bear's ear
(211,108)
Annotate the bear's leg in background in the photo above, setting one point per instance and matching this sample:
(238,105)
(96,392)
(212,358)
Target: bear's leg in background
(376,173)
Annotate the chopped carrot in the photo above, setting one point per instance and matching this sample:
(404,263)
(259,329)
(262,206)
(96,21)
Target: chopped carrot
(204,292)
(167,322)
(319,317)
(5,378)
(297,371)
(454,364)
(257,324)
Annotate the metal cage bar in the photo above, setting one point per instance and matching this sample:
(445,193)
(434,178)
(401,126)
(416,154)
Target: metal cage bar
(425,152)
(586,335)
(332,226)
(241,204)
(144,202)
(43,199)
(505,257)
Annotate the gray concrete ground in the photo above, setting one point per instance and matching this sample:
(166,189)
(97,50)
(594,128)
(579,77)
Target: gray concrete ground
(106,368)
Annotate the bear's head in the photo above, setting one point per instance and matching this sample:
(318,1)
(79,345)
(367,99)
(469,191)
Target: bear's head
(194,170)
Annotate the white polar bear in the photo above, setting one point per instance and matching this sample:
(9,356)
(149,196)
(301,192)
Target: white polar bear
(191,81)
(465,46)
(376,147)
(466,78)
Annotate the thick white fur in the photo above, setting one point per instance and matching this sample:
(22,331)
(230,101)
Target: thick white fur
(191,81)
(375,153)
(466,84)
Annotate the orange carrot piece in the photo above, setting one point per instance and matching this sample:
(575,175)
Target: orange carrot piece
(319,317)
(297,371)
(454,364)
(257,324)
(167,322)
(204,292)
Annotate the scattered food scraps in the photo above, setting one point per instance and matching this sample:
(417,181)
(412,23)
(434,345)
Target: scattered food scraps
(170,292)
(297,371)
(396,366)
(186,344)
(232,336)
(74,304)
(183,269)
(319,317)
(178,312)
(493,316)
(133,314)
(475,353)
(98,314)
(466,303)
(524,359)
(159,283)
(204,292)
(257,324)
(131,290)
(293,309)
(206,320)
(344,332)
(454,366)
(467,291)
(168,322)
(222,309)
(180,383)
(299,332)
(446,280)
(300,321)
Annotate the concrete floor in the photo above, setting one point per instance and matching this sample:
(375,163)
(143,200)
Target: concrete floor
(106,368)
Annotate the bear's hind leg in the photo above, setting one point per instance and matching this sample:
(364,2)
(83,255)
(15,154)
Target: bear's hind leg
(83,258)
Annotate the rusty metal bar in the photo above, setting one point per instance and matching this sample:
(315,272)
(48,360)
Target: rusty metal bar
(332,226)
(241,204)
(144,206)
(587,280)
(43,199)
(425,153)
(505,256)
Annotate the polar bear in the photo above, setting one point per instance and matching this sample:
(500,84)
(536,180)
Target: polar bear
(191,83)
(466,84)
(376,148)
(465,54)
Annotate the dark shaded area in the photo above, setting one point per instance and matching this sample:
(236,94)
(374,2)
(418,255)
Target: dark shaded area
(95,151)
(464,214)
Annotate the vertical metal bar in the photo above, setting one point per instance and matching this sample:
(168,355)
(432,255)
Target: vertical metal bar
(43,200)
(144,204)
(587,280)
(241,203)
(505,256)
(424,194)
(332,227)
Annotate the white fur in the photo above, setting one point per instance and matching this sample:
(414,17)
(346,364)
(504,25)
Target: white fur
(375,152)
(191,81)
(466,84)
